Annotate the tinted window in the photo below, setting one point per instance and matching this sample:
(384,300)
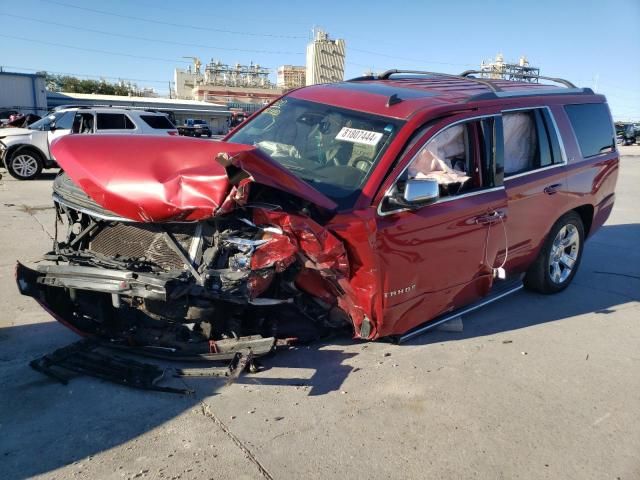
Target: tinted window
(593,128)
(157,121)
(114,121)
(65,122)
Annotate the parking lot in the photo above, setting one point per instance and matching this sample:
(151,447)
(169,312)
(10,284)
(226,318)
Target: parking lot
(532,387)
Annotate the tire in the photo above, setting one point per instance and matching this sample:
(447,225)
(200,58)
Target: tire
(556,265)
(24,164)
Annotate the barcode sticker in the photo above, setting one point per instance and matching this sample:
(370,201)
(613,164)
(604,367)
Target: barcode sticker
(355,135)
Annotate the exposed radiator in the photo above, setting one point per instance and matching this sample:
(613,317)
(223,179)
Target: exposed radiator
(144,241)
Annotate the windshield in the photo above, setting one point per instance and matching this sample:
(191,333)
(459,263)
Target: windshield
(43,123)
(331,148)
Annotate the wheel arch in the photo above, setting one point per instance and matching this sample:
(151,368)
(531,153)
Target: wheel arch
(27,147)
(586,212)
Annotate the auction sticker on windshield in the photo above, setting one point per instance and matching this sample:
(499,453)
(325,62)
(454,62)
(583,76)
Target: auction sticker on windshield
(355,135)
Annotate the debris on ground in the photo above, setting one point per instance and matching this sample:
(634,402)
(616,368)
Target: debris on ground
(88,357)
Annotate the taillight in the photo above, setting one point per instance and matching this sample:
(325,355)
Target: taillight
(172,132)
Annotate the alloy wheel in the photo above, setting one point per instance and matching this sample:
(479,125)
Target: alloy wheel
(24,165)
(564,253)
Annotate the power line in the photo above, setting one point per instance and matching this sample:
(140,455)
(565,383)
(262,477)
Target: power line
(87,75)
(93,50)
(171,24)
(146,39)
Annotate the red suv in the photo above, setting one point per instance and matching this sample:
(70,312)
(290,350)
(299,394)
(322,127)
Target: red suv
(383,205)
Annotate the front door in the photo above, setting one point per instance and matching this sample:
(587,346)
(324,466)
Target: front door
(442,256)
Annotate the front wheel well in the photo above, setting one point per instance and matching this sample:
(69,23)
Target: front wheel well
(586,215)
(30,148)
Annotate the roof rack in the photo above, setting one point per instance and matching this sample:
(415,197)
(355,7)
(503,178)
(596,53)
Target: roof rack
(386,75)
(564,82)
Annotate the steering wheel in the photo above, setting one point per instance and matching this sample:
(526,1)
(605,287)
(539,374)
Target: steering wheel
(361,163)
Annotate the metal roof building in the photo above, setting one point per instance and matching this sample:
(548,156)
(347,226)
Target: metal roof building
(217,115)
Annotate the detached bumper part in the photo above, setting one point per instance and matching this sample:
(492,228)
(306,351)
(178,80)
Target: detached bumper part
(84,357)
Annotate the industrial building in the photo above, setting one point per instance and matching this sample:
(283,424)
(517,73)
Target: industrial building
(325,59)
(499,69)
(23,92)
(291,76)
(216,115)
(246,87)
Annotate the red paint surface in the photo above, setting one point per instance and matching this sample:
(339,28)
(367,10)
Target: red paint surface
(358,258)
(157,179)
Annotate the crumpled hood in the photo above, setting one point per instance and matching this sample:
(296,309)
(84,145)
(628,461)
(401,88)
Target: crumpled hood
(155,179)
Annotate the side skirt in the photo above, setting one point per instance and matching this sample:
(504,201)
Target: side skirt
(500,290)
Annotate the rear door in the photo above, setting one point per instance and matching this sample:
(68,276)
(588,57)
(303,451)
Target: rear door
(535,179)
(441,256)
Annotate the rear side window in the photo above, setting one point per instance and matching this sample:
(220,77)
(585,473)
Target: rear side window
(114,121)
(592,125)
(157,121)
(530,141)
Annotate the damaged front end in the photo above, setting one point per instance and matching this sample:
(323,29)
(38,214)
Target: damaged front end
(178,271)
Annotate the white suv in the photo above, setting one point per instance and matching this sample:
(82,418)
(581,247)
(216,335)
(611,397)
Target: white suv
(25,151)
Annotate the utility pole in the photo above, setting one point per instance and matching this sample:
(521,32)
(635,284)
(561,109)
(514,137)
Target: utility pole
(169,89)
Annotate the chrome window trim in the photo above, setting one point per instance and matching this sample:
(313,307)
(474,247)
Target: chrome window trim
(563,152)
(442,200)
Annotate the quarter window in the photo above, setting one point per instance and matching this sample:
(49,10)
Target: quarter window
(592,125)
(114,121)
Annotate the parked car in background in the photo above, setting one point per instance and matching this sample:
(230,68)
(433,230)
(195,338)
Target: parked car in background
(631,134)
(381,206)
(5,116)
(25,151)
(194,128)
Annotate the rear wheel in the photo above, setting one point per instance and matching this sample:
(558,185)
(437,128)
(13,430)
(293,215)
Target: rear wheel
(24,165)
(559,257)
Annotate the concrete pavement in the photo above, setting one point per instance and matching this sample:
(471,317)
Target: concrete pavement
(533,387)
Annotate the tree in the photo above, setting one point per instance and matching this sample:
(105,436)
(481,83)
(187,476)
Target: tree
(67,83)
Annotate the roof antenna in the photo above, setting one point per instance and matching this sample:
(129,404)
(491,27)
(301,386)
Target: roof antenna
(393,99)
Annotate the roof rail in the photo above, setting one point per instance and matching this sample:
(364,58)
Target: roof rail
(562,81)
(388,73)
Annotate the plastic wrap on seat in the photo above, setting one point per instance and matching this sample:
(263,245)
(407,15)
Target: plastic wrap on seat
(435,159)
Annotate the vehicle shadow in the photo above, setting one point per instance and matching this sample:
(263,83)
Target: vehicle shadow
(609,276)
(64,424)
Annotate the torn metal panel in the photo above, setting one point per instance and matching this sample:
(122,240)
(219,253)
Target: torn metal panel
(157,179)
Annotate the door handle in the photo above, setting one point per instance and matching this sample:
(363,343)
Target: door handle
(551,189)
(490,218)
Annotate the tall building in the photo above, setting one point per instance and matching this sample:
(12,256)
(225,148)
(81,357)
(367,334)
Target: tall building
(291,76)
(325,59)
(499,69)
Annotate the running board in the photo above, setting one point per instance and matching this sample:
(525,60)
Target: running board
(499,291)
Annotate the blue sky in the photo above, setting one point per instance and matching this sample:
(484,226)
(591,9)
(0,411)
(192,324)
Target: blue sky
(593,44)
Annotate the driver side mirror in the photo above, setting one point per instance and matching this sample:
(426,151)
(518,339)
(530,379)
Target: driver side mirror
(417,193)
(52,126)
